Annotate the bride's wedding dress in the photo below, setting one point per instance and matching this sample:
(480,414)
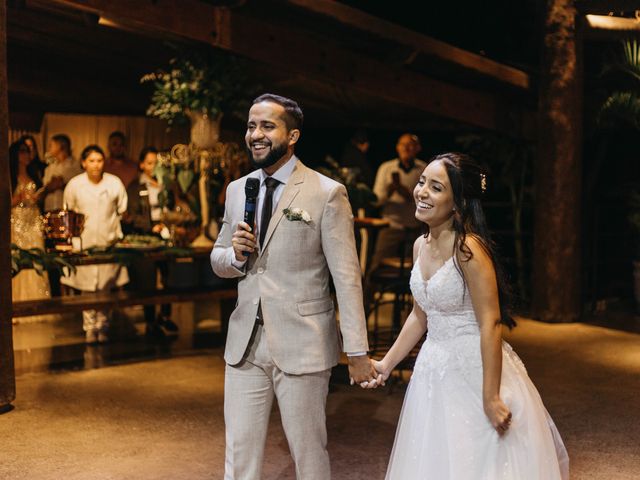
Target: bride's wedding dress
(443,432)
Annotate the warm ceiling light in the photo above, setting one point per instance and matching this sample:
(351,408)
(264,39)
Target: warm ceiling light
(605,22)
(105,22)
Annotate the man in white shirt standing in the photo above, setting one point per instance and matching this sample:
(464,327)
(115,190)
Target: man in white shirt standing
(59,171)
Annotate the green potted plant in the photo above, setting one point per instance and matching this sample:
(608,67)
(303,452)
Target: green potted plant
(200,86)
(620,111)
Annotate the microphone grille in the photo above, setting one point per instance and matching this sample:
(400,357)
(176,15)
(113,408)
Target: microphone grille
(251,187)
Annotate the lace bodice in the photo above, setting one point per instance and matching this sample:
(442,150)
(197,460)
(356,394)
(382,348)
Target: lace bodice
(446,301)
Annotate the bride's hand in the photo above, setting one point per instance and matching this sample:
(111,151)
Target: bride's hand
(499,414)
(383,371)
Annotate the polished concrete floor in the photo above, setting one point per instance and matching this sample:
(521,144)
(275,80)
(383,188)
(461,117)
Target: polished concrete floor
(162,418)
(57,342)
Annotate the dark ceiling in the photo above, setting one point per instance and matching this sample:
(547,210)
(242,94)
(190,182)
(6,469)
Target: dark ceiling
(61,59)
(504,30)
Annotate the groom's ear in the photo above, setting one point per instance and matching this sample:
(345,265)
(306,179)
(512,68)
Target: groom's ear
(294,136)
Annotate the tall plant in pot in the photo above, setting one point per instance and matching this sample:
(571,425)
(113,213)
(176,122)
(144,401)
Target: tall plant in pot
(200,86)
(620,112)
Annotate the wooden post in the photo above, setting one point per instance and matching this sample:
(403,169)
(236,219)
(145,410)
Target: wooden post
(7,372)
(556,262)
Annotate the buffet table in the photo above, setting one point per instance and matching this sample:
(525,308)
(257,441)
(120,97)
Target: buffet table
(199,284)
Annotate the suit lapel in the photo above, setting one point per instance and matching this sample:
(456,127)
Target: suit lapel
(291,189)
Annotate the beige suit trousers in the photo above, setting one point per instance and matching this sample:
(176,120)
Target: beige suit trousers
(250,388)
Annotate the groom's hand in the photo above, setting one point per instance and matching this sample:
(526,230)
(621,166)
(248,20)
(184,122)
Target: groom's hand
(243,240)
(362,372)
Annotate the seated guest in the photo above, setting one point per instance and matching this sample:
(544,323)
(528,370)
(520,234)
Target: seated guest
(61,168)
(144,216)
(102,198)
(118,163)
(395,181)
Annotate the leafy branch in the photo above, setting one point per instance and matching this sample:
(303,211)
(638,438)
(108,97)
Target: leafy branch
(39,260)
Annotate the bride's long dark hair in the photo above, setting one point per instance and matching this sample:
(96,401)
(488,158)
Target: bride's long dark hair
(468,183)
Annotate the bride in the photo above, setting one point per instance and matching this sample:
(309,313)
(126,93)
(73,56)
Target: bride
(471,411)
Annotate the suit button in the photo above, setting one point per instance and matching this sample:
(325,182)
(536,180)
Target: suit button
(260,270)
(255,301)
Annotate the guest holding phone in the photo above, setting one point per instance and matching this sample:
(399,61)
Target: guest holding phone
(394,185)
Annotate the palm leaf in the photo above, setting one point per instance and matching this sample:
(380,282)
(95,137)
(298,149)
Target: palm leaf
(620,107)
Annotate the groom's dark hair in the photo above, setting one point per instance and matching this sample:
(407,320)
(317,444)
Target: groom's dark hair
(293,113)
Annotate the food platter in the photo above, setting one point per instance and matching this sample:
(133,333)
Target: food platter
(142,247)
(142,243)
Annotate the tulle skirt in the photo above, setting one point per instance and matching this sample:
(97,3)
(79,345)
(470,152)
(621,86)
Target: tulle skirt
(444,434)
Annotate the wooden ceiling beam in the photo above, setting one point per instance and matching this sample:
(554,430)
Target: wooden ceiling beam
(314,56)
(603,7)
(73,92)
(319,58)
(38,28)
(416,41)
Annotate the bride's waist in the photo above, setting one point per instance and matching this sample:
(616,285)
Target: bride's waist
(447,332)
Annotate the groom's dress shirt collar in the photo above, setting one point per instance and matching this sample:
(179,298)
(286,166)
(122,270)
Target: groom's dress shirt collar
(282,174)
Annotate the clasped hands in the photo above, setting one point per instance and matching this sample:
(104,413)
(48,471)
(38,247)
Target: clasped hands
(366,372)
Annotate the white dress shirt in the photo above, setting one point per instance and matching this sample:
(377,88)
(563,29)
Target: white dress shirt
(282,175)
(399,210)
(153,190)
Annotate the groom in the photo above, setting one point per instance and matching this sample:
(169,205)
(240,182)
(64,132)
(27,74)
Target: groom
(283,338)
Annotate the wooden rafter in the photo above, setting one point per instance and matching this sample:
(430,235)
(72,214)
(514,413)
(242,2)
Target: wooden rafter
(315,56)
(418,42)
(605,6)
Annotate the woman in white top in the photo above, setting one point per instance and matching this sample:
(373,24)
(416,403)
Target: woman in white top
(102,198)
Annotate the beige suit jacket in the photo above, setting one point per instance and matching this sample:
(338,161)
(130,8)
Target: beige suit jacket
(290,276)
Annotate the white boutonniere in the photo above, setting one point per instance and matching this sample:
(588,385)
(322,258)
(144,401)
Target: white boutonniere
(297,215)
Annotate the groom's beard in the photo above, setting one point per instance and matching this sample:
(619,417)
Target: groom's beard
(275,154)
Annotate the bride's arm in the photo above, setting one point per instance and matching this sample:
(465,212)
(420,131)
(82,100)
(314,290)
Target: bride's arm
(481,280)
(412,331)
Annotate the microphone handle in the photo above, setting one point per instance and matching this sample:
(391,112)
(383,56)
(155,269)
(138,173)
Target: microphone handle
(250,217)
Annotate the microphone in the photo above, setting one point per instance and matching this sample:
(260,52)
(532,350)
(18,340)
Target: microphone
(251,189)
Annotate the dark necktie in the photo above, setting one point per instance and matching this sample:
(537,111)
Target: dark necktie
(267,208)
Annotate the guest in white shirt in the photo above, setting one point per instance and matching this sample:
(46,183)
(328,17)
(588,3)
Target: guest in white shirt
(59,171)
(395,181)
(102,198)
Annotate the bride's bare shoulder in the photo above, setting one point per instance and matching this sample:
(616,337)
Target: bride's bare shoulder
(416,247)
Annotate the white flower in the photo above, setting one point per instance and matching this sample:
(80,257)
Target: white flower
(297,214)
